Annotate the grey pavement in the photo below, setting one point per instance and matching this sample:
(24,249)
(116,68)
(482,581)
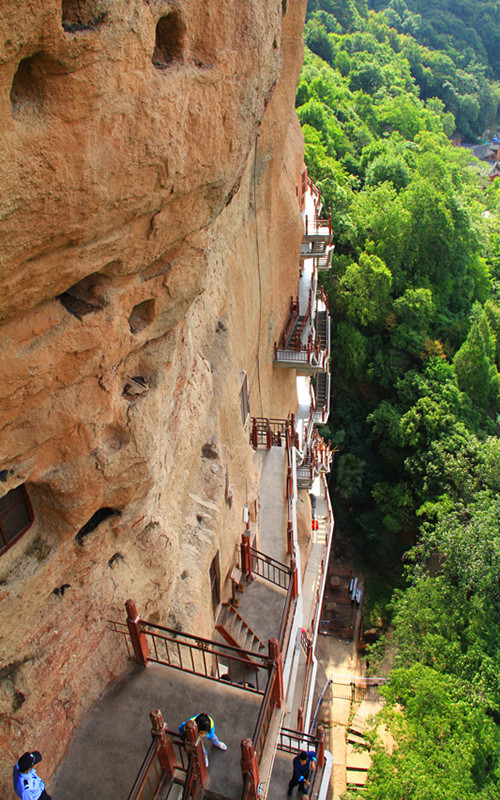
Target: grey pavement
(108,748)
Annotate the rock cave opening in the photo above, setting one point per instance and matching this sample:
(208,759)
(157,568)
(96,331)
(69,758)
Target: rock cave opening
(95,520)
(85,296)
(141,316)
(29,86)
(135,387)
(82,15)
(169,41)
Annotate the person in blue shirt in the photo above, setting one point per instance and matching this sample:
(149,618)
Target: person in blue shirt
(27,784)
(206,729)
(303,765)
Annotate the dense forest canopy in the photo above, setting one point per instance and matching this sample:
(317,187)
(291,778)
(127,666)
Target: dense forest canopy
(450,62)
(414,292)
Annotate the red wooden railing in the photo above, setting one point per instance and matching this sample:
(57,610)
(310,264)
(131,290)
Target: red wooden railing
(165,758)
(192,654)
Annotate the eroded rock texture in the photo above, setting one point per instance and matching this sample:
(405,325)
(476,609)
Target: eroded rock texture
(149,246)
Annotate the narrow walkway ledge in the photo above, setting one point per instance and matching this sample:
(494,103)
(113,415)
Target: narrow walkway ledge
(108,748)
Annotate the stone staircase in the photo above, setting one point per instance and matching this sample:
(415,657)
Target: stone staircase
(294,340)
(322,328)
(321,389)
(236,632)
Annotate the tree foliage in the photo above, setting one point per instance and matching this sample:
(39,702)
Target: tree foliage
(414,292)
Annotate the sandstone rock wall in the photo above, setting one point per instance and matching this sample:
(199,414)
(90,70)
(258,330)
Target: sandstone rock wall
(149,246)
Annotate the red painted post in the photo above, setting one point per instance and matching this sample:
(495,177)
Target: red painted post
(300,719)
(320,749)
(295,578)
(307,224)
(194,748)
(250,767)
(166,752)
(138,638)
(255,433)
(330,221)
(277,665)
(246,556)
(269,435)
(289,537)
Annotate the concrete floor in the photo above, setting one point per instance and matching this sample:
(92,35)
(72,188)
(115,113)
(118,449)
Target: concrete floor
(108,749)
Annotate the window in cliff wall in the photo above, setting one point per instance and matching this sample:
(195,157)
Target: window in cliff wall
(244,400)
(28,93)
(82,15)
(16,516)
(85,296)
(284,6)
(95,520)
(169,41)
(141,316)
(215,582)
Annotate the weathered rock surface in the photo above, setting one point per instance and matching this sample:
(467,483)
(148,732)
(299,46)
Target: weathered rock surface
(148,225)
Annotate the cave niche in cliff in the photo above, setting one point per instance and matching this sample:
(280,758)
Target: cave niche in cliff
(82,15)
(95,520)
(169,41)
(141,316)
(85,296)
(29,86)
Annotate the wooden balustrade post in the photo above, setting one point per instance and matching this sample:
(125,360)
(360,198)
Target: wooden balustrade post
(246,555)
(269,435)
(250,767)
(166,751)
(194,748)
(255,433)
(289,482)
(289,536)
(320,748)
(277,665)
(307,224)
(138,638)
(294,578)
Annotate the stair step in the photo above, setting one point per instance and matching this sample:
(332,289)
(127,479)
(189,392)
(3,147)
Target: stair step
(357,738)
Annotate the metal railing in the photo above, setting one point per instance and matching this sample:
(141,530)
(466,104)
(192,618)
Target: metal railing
(202,657)
(269,568)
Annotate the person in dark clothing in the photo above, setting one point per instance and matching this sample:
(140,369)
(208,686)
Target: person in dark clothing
(303,765)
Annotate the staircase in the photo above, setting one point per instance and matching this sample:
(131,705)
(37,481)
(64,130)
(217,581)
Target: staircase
(236,632)
(321,390)
(322,328)
(294,341)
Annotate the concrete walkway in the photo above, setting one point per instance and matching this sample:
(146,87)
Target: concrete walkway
(107,750)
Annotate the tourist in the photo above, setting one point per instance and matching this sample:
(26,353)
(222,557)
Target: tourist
(27,784)
(303,765)
(206,729)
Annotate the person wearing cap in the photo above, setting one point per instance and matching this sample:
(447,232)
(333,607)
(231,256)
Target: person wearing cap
(27,784)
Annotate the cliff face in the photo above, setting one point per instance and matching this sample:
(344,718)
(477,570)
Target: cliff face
(150,238)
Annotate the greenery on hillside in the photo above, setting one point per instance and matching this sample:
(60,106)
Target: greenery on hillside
(415,299)
(453,66)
